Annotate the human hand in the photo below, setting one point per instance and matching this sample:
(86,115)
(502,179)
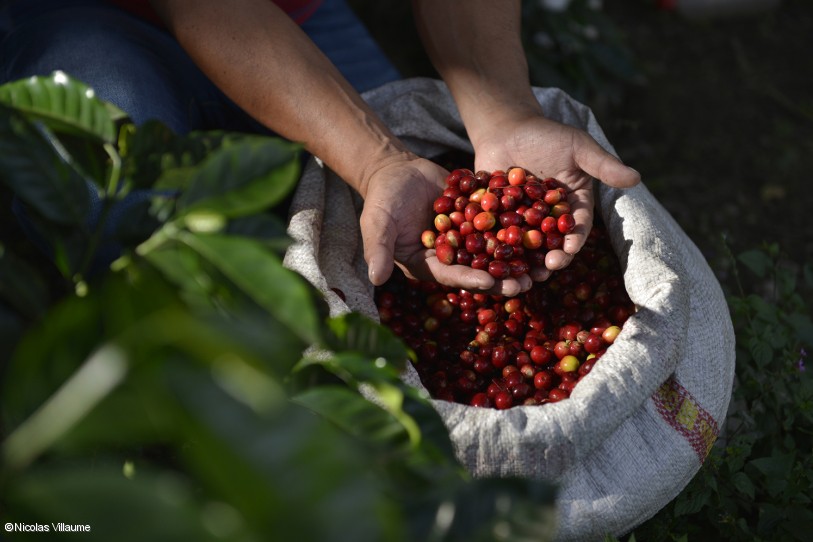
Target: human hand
(397,209)
(551,149)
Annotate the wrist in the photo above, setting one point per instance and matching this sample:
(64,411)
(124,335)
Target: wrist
(389,154)
(487,119)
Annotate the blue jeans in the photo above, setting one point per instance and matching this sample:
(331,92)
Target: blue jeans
(142,69)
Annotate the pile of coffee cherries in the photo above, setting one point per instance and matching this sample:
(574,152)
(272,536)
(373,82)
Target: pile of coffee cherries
(502,222)
(498,352)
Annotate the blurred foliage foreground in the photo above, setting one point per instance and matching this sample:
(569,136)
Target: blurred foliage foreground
(195,389)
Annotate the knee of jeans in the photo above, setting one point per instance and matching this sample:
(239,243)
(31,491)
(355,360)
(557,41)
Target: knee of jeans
(116,61)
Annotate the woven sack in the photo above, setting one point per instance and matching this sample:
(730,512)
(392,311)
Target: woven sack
(634,433)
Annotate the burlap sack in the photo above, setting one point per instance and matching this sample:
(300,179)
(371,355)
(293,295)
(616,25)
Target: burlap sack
(633,434)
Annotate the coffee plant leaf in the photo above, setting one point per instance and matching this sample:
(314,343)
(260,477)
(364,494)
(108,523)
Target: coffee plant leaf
(22,286)
(242,179)
(37,170)
(355,368)
(46,356)
(266,228)
(12,327)
(64,104)
(259,273)
(357,416)
(273,465)
(355,332)
(181,266)
(113,505)
(154,156)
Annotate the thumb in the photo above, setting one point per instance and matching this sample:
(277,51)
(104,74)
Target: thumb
(600,164)
(378,235)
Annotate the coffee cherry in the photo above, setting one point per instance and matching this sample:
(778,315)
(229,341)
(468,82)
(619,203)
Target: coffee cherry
(565,223)
(516,176)
(428,239)
(481,400)
(555,395)
(543,380)
(484,221)
(443,223)
(552,197)
(534,348)
(503,400)
(445,254)
(610,334)
(499,269)
(443,205)
(489,202)
(513,235)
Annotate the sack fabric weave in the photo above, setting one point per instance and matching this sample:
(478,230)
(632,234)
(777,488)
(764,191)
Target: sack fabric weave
(634,433)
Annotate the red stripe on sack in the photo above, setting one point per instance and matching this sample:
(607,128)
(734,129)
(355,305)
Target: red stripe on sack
(681,411)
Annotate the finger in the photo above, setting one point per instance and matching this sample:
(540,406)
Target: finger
(461,276)
(511,287)
(582,203)
(557,259)
(456,276)
(378,235)
(602,165)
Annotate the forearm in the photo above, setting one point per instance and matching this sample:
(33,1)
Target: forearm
(476,47)
(264,62)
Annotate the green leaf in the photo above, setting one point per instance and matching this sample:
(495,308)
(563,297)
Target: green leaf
(760,350)
(757,261)
(11,329)
(273,466)
(743,484)
(64,104)
(356,415)
(21,286)
(156,157)
(693,502)
(155,506)
(32,167)
(47,356)
(355,368)
(94,380)
(763,310)
(776,470)
(265,227)
(770,516)
(799,522)
(259,273)
(356,332)
(181,266)
(242,179)
(802,325)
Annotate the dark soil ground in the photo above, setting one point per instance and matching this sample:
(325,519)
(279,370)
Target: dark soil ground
(721,125)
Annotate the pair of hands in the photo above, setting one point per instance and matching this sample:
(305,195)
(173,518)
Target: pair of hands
(398,203)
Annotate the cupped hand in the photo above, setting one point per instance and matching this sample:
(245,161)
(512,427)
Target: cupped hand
(397,209)
(551,149)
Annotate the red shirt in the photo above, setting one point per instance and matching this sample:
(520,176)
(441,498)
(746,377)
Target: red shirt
(298,10)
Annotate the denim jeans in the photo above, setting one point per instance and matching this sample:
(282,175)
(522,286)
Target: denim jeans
(142,69)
